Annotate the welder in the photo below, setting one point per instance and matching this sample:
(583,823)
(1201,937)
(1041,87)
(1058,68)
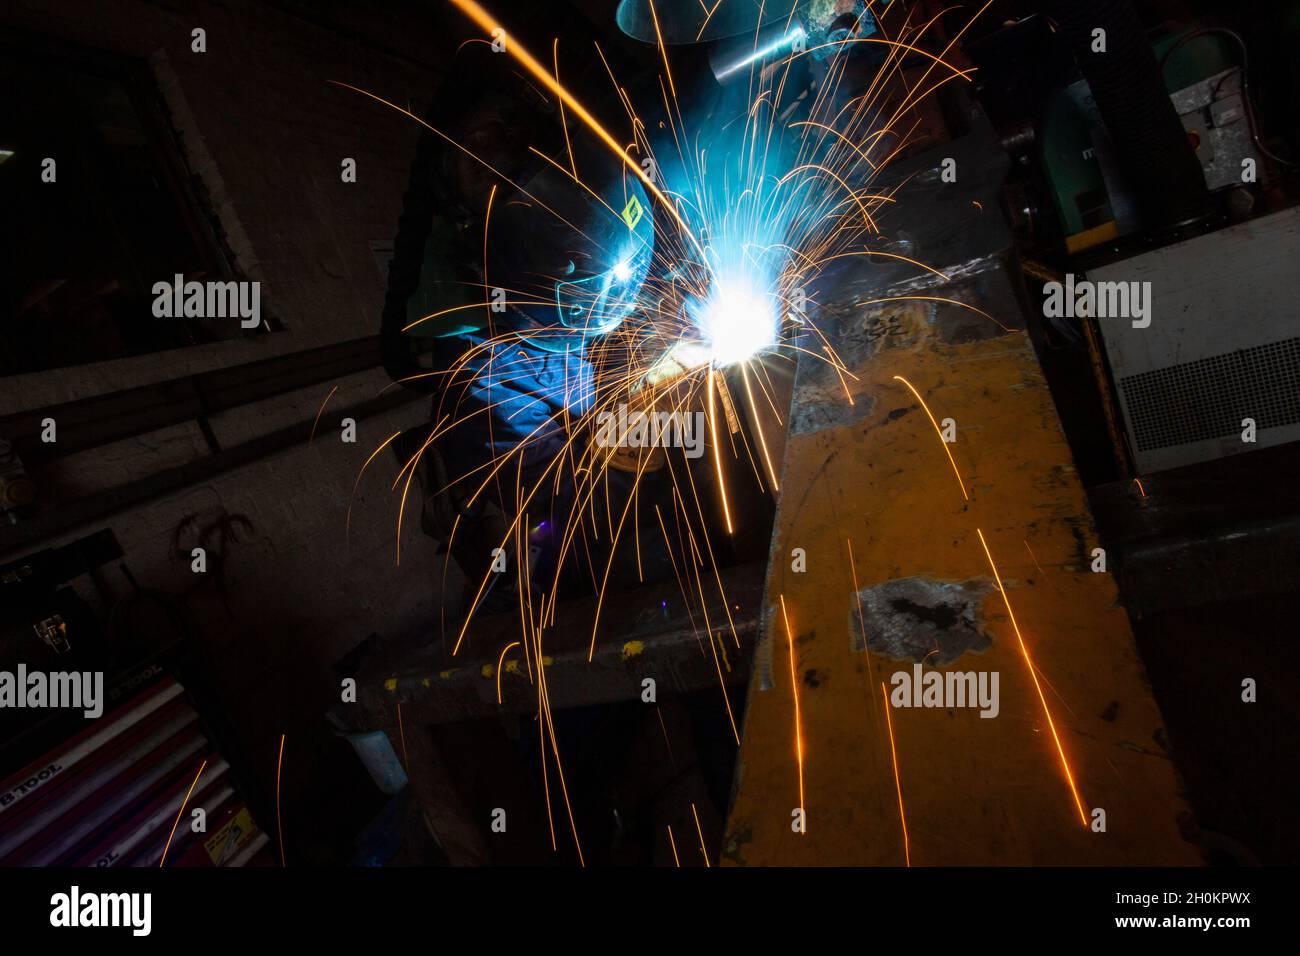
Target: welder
(527,263)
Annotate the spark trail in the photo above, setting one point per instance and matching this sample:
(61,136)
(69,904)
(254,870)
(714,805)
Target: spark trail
(755,199)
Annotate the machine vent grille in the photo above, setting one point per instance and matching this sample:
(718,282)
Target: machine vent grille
(1208,398)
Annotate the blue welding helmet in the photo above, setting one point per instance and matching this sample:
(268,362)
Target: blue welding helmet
(571,255)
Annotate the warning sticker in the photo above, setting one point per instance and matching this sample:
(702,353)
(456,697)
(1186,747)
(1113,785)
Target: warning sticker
(227,841)
(632,212)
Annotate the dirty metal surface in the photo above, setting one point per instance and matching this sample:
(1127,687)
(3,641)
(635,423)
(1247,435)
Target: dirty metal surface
(920,620)
(875,473)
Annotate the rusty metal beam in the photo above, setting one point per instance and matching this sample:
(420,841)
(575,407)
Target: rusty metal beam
(876,473)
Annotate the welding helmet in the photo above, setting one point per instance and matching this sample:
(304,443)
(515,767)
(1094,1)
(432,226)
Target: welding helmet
(571,253)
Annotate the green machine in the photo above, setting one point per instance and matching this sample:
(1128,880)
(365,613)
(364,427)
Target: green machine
(1203,75)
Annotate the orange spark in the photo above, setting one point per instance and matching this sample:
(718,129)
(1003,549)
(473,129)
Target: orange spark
(703,852)
(485,20)
(500,662)
(938,431)
(717,459)
(179,812)
(347,525)
(279,826)
(798,730)
(1034,558)
(1065,763)
(857,597)
(898,784)
(320,411)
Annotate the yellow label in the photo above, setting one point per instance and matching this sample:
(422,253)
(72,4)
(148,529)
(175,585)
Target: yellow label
(632,212)
(226,842)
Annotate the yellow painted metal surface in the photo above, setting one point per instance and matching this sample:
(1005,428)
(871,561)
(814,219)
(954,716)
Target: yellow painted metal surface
(1092,237)
(973,790)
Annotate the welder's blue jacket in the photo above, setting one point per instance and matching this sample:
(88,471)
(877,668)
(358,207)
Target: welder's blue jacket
(522,388)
